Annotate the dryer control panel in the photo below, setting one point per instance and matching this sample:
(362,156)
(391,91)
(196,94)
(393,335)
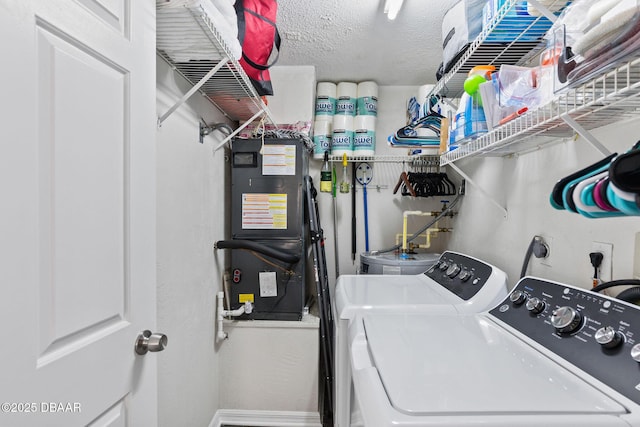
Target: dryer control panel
(596,333)
(460,274)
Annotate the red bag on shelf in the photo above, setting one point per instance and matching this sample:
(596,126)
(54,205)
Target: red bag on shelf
(258,35)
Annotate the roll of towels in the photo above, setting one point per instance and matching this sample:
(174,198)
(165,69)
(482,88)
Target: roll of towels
(342,135)
(325,100)
(364,138)
(322,133)
(347,93)
(367,102)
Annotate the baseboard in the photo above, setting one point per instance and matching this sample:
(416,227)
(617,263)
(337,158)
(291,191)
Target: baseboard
(238,417)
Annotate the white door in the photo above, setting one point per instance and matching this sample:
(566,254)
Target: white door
(77,221)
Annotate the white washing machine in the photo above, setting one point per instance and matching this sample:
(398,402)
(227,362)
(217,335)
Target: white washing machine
(456,283)
(548,355)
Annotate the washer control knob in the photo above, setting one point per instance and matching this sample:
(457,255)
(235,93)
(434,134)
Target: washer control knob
(518,297)
(566,319)
(453,270)
(535,305)
(608,337)
(443,265)
(465,275)
(635,352)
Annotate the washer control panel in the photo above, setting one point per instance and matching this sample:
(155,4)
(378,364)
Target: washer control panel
(460,274)
(596,333)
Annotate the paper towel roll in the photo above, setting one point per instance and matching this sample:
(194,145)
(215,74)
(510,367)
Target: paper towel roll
(342,135)
(367,103)
(364,138)
(322,130)
(326,89)
(347,94)
(326,99)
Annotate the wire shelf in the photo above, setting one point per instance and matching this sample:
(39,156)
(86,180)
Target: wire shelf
(422,158)
(609,98)
(229,89)
(526,41)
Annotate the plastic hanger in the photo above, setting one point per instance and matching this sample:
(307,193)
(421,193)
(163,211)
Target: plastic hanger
(622,200)
(600,194)
(557,198)
(624,171)
(584,202)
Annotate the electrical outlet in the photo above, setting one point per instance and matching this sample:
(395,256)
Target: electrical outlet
(607,260)
(548,260)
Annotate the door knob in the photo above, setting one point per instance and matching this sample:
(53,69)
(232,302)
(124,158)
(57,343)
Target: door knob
(147,341)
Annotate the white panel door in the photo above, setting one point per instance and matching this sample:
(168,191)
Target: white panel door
(77,229)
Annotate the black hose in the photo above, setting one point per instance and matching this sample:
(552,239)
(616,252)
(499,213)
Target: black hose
(622,282)
(631,295)
(527,257)
(422,230)
(258,247)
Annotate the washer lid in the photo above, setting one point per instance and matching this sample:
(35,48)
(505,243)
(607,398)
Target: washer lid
(466,364)
(385,292)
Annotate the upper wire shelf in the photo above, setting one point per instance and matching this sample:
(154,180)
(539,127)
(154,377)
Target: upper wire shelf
(609,98)
(221,79)
(525,43)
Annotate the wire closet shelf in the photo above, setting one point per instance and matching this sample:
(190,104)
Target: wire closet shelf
(228,87)
(612,97)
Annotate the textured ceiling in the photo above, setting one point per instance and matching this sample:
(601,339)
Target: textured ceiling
(352,40)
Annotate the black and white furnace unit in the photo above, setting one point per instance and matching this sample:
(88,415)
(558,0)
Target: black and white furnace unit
(549,354)
(456,283)
(267,227)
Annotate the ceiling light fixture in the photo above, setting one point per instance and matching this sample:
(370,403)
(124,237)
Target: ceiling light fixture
(392,7)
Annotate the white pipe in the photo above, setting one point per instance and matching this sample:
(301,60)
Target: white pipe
(222,313)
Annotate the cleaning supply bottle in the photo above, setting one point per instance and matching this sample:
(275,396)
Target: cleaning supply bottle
(344,184)
(325,175)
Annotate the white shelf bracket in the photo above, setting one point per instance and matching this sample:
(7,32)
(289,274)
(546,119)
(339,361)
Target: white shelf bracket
(193,90)
(585,134)
(480,189)
(235,132)
(543,10)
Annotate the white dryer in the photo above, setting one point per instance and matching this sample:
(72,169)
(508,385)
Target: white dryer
(456,283)
(548,355)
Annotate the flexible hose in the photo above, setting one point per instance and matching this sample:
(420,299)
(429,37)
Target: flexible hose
(527,257)
(631,295)
(423,229)
(622,282)
(258,247)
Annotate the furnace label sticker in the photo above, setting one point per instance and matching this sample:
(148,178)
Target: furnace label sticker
(264,211)
(279,160)
(268,284)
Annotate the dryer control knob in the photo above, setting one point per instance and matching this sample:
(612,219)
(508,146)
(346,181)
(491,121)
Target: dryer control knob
(566,319)
(517,297)
(635,352)
(535,305)
(608,337)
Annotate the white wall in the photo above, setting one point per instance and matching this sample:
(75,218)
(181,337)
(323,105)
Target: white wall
(523,185)
(191,184)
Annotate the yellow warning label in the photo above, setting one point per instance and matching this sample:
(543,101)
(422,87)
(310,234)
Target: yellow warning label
(242,298)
